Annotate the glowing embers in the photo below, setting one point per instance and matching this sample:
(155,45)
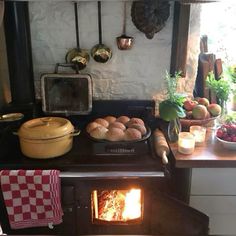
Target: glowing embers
(117,206)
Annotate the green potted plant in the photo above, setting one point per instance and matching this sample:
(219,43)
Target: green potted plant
(171,109)
(230,73)
(221,88)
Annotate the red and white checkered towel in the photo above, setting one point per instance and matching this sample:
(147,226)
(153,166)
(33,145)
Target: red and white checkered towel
(32,197)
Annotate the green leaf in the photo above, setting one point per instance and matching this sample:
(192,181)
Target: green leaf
(220,87)
(180,111)
(172,107)
(168,110)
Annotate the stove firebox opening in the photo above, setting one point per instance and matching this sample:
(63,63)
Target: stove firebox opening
(117,206)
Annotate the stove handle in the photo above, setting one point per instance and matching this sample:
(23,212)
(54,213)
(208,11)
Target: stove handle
(112,174)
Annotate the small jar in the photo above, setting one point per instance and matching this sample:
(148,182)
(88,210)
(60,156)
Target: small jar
(186,143)
(199,133)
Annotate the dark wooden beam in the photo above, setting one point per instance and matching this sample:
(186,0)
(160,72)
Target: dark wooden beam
(18,43)
(180,38)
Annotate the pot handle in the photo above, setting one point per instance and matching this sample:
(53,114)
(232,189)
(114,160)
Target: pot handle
(75,133)
(46,120)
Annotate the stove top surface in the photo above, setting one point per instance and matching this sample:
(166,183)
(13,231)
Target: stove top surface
(88,155)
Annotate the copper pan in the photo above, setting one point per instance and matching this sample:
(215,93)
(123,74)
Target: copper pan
(124,42)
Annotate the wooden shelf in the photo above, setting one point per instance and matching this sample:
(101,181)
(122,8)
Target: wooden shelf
(210,154)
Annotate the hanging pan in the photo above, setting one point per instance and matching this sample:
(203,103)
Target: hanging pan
(124,42)
(100,52)
(77,56)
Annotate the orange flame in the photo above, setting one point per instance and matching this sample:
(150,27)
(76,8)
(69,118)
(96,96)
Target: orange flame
(117,205)
(132,209)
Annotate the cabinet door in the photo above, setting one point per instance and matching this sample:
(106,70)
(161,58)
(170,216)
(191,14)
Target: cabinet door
(213,191)
(221,211)
(213,181)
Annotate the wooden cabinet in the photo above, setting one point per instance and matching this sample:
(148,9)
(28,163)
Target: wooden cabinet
(213,191)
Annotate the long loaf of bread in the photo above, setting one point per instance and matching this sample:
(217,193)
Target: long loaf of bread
(160,145)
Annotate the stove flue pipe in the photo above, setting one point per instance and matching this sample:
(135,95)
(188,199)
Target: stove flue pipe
(19,53)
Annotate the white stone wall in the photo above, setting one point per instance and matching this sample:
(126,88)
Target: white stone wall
(134,74)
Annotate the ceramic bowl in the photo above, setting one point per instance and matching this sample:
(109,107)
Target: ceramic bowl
(226,144)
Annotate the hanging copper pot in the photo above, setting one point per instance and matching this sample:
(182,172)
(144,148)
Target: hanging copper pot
(124,42)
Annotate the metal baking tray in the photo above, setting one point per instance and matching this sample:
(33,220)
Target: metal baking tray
(66,93)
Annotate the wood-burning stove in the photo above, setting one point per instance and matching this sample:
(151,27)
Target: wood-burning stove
(102,204)
(99,176)
(115,172)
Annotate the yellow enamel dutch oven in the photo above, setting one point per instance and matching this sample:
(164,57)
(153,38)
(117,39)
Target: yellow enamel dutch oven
(46,137)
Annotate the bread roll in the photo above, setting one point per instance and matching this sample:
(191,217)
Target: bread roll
(132,134)
(139,127)
(134,120)
(117,124)
(123,119)
(115,134)
(110,119)
(91,126)
(102,122)
(99,132)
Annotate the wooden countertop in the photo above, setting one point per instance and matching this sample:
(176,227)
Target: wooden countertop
(210,154)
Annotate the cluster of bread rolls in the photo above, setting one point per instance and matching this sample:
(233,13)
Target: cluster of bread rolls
(122,128)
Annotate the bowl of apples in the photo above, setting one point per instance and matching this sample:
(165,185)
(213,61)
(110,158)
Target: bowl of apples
(226,133)
(199,111)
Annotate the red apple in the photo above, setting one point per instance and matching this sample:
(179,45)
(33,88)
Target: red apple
(189,105)
(214,109)
(199,112)
(203,101)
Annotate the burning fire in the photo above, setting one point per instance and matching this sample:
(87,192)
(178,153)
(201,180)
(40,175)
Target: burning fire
(132,209)
(117,205)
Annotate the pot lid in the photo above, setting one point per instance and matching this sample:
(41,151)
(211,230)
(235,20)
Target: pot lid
(45,128)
